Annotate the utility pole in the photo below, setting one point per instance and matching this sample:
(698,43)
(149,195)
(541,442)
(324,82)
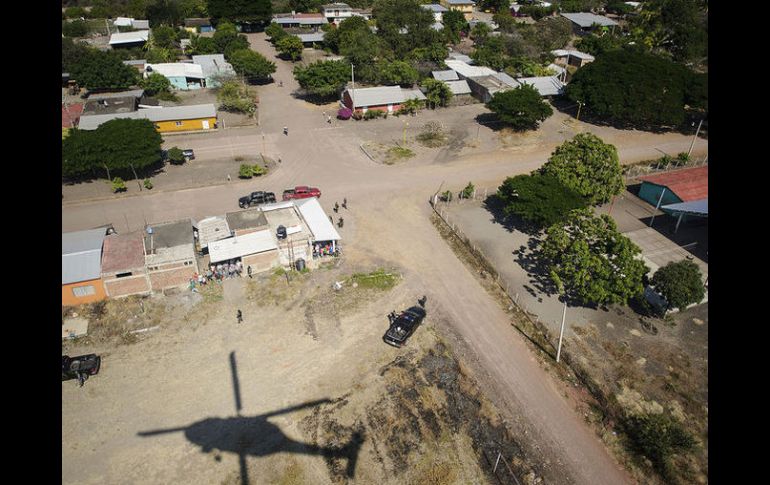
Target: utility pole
(561,333)
(658,206)
(353,87)
(693,138)
(580,105)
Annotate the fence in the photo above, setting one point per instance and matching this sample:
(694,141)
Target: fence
(500,467)
(653,167)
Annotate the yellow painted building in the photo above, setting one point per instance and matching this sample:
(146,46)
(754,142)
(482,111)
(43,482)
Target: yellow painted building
(186,125)
(176,118)
(464,6)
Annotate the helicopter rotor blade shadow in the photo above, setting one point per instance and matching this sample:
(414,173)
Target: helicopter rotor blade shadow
(162,431)
(236,384)
(291,409)
(244,470)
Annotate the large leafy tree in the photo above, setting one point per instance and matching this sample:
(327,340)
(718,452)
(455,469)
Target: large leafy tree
(164,36)
(164,12)
(490,52)
(437,92)
(75,28)
(155,83)
(397,72)
(203,45)
(253,65)
(591,262)
(103,70)
(680,283)
(454,23)
(193,8)
(495,5)
(675,26)
(290,46)
(633,89)
(323,78)
(588,166)
(522,108)
(275,32)
(72,53)
(241,10)
(541,200)
(404,25)
(235,96)
(227,39)
(305,5)
(120,145)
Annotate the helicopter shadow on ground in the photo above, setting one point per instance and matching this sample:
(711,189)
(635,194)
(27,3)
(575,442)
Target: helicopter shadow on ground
(256,436)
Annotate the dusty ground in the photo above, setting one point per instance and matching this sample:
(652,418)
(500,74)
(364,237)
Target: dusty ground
(408,415)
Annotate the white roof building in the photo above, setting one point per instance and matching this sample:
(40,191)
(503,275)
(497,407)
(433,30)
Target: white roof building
(317,220)
(464,70)
(447,75)
(239,246)
(175,69)
(585,20)
(459,87)
(129,37)
(545,85)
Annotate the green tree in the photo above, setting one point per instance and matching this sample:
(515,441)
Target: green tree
(495,5)
(404,25)
(290,46)
(490,53)
(251,64)
(522,108)
(75,12)
(437,92)
(588,166)
(541,200)
(591,262)
(454,23)
(103,70)
(305,5)
(397,72)
(102,9)
(155,83)
(176,156)
(72,53)
(480,32)
(202,45)
(246,171)
(577,6)
(227,39)
(659,87)
(275,32)
(74,28)
(675,26)
(137,9)
(658,437)
(193,8)
(164,12)
(234,96)
(323,78)
(680,283)
(241,10)
(504,21)
(159,55)
(599,44)
(122,145)
(164,36)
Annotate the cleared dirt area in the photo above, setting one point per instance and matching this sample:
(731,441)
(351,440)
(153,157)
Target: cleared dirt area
(323,399)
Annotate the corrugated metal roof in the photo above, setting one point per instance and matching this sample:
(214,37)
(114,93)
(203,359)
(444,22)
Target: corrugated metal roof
(545,85)
(585,19)
(123,22)
(377,96)
(213,64)
(123,252)
(461,57)
(128,37)
(413,94)
(141,24)
(435,7)
(317,220)
(239,246)
(695,207)
(448,75)
(81,258)
(300,20)
(466,70)
(153,114)
(574,53)
(506,79)
(314,37)
(688,184)
(175,69)
(461,2)
(136,93)
(459,87)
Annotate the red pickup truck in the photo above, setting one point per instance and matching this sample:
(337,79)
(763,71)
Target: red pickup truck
(301,192)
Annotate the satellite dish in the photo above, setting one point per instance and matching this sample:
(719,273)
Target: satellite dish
(149,230)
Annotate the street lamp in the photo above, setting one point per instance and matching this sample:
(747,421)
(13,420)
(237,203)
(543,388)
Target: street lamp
(580,105)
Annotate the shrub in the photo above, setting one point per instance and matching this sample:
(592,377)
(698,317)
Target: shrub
(432,134)
(373,113)
(682,159)
(147,184)
(76,28)
(680,283)
(176,156)
(246,171)
(658,437)
(357,115)
(468,191)
(258,170)
(344,113)
(118,185)
(446,196)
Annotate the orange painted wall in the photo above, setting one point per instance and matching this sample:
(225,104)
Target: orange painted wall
(68,298)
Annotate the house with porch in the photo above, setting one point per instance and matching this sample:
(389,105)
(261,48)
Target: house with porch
(383,98)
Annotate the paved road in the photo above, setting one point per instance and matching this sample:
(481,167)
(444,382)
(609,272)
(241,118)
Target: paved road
(388,220)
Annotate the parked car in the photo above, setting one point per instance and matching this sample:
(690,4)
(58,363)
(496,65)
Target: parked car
(256,198)
(301,192)
(80,367)
(189,154)
(403,325)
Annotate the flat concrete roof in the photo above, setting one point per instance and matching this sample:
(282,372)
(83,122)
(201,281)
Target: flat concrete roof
(169,234)
(246,219)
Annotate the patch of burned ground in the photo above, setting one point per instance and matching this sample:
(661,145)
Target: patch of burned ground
(428,424)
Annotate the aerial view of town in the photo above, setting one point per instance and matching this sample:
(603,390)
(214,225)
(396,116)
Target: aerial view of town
(384,242)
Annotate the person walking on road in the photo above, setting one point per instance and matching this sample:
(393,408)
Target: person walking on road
(336,207)
(286,130)
(345,203)
(248,270)
(240,316)
(340,223)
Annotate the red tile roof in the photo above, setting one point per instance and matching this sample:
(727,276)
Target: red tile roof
(688,184)
(70,115)
(123,252)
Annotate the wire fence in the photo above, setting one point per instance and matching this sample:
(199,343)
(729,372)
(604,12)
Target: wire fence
(500,467)
(653,167)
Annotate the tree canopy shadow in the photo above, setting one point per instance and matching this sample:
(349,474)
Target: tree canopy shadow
(491,121)
(531,260)
(510,222)
(256,436)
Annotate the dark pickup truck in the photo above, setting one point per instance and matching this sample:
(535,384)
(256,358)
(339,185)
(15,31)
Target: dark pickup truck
(403,325)
(80,367)
(301,192)
(256,198)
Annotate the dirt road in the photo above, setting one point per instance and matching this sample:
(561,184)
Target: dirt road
(388,221)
